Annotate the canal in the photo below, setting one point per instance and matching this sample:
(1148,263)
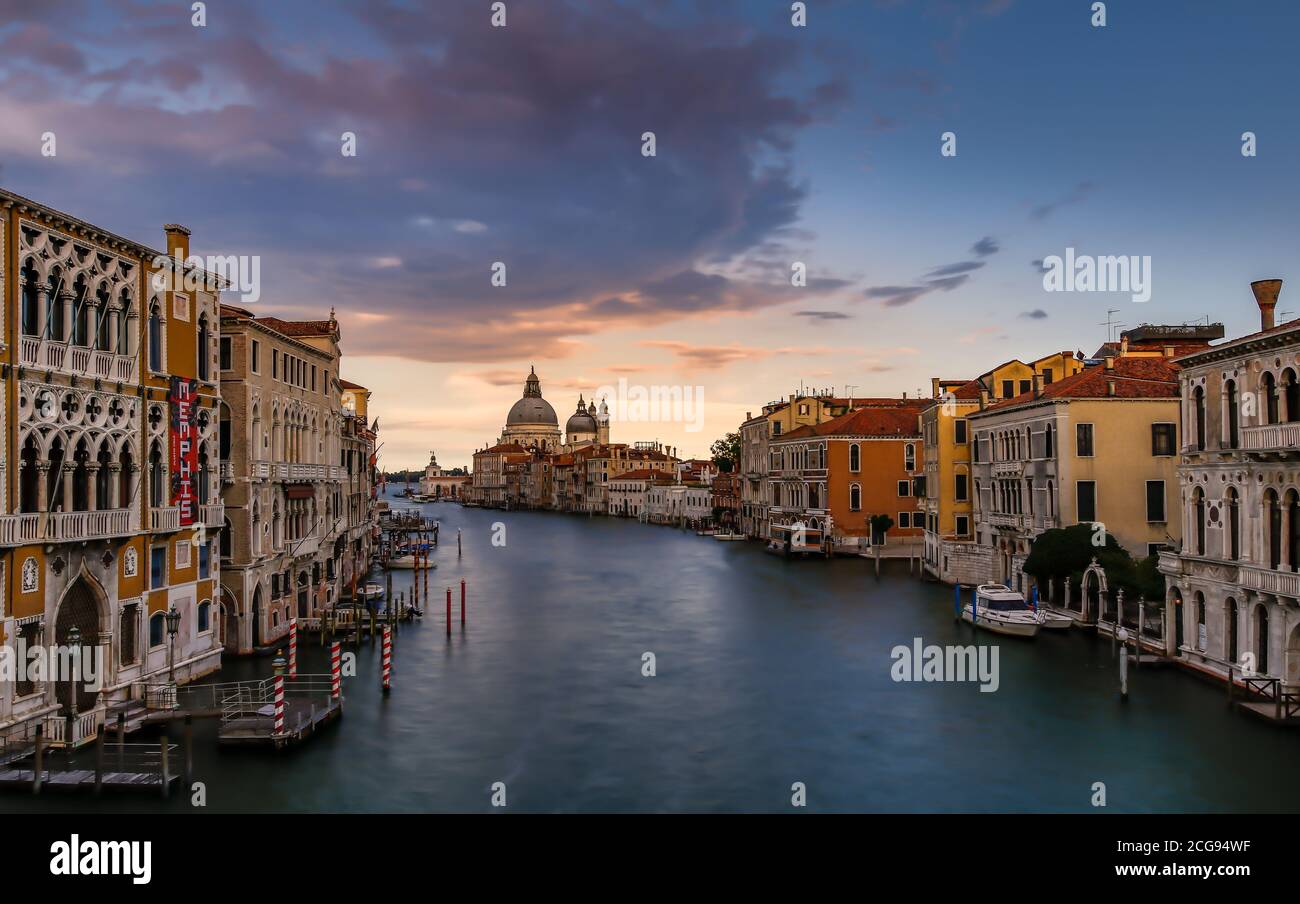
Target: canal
(768,672)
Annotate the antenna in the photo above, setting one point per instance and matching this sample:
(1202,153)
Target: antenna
(1109,324)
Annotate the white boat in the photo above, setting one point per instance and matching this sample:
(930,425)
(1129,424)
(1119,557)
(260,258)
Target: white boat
(372,591)
(1054,618)
(407,560)
(1002,610)
(721,536)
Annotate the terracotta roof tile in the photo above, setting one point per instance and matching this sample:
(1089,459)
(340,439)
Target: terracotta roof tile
(1134,378)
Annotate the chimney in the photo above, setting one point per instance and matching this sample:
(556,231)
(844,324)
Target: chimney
(1266,291)
(178,242)
(1038,386)
(984,399)
(1123,344)
(1169,351)
(1110,362)
(904,396)
(934,387)
(1110,388)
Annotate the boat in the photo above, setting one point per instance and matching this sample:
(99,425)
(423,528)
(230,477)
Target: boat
(722,536)
(705,533)
(1054,618)
(1000,609)
(778,548)
(372,591)
(407,560)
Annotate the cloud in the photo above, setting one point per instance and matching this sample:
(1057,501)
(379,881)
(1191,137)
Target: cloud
(1035,314)
(823,315)
(1079,193)
(986,246)
(954,269)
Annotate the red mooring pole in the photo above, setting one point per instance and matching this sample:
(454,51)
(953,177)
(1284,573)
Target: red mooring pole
(293,647)
(388,658)
(462,602)
(449,612)
(335,670)
(279,705)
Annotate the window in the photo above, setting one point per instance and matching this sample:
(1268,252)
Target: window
(855,457)
(1155,501)
(776,428)
(803,408)
(909,457)
(157,630)
(157,567)
(1008,389)
(225,353)
(904,519)
(961,491)
(855,497)
(1154,549)
(205,616)
(959,428)
(257,357)
(963,526)
(183,557)
(904,488)
(205,557)
(1047,442)
(313,378)
(1083,441)
(1198,414)
(1025,386)
(130,619)
(155,339)
(275,363)
(1233,418)
(1085,498)
(1163,439)
(1047,375)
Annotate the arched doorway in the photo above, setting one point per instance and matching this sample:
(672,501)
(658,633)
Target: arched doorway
(1093,590)
(258,641)
(1293,657)
(303,594)
(81,608)
(1261,639)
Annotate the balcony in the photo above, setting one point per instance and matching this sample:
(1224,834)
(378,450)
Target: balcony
(226,470)
(1266,580)
(1271,437)
(66,526)
(213,514)
(1009,469)
(162,520)
(50,354)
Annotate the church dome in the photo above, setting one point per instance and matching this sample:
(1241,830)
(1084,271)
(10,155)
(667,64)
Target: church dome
(580,421)
(532,408)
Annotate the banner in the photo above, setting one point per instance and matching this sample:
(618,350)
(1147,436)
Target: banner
(184,447)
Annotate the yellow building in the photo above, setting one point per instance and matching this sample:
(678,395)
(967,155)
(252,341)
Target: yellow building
(108,455)
(950,551)
(1098,447)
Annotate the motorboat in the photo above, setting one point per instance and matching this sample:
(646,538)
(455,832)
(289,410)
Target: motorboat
(1000,609)
(372,591)
(722,536)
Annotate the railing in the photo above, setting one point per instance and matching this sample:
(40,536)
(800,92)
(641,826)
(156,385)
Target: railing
(165,519)
(1271,436)
(53,354)
(214,514)
(261,469)
(85,728)
(1284,583)
(251,699)
(35,527)
(226,470)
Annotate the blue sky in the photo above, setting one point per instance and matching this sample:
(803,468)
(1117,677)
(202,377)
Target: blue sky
(775,144)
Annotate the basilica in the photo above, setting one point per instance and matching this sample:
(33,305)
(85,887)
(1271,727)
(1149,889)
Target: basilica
(532,422)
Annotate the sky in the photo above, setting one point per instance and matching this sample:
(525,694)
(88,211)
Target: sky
(775,145)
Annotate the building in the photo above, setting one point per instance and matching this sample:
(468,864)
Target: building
(290,533)
(1233,590)
(948,502)
(726,501)
(109,458)
(531,420)
(357,458)
(778,418)
(628,491)
(830,478)
(489,484)
(442,484)
(1097,447)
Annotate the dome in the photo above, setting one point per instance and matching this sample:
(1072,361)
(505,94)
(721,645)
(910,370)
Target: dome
(580,421)
(532,408)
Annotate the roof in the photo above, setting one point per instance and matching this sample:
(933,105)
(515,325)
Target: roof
(865,422)
(507,448)
(641,474)
(1242,340)
(348,384)
(299,328)
(1134,378)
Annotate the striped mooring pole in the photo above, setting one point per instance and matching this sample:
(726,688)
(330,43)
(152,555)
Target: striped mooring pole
(388,658)
(336,659)
(279,704)
(293,647)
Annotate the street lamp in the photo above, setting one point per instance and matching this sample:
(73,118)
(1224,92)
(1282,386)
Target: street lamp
(173,627)
(74,643)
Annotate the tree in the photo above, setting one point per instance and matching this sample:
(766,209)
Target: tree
(726,452)
(1067,552)
(880,525)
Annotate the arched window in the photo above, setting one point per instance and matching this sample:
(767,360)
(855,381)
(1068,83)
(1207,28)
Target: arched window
(125,316)
(1234,524)
(157,477)
(1261,639)
(1292,523)
(909,456)
(1272,505)
(1198,413)
(1198,512)
(1051,497)
(1199,609)
(1269,387)
(103,318)
(157,630)
(1047,442)
(205,616)
(204,350)
(1230,397)
(225,539)
(855,457)
(855,497)
(31,304)
(155,338)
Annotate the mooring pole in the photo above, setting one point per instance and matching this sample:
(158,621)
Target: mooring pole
(164,766)
(39,760)
(1123,666)
(189,750)
(121,742)
(387,670)
(449,612)
(462,602)
(99,761)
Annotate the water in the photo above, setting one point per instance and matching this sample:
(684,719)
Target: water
(770,672)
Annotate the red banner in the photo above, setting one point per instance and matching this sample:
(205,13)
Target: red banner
(184,447)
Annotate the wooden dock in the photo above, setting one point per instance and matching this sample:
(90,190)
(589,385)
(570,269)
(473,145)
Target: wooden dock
(82,780)
(248,715)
